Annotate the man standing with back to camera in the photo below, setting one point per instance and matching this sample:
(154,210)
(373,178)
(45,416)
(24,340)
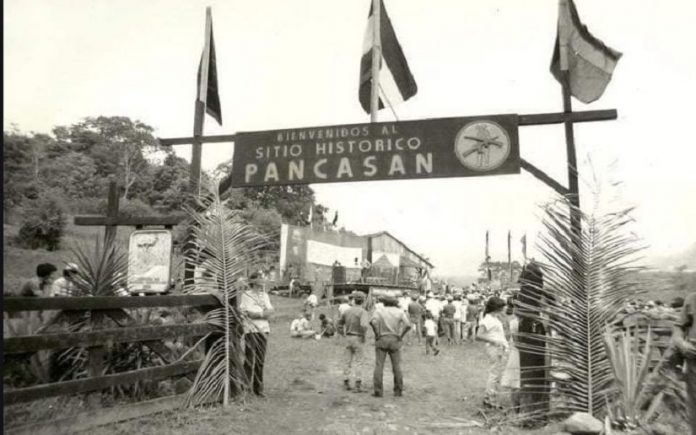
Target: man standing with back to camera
(684,338)
(390,325)
(353,326)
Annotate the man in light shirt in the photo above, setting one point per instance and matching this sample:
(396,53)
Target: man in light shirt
(255,307)
(353,326)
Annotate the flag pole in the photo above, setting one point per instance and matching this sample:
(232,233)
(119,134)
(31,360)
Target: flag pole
(376,57)
(572,161)
(509,257)
(199,114)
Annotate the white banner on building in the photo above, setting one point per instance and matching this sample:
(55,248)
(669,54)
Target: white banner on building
(283,246)
(327,254)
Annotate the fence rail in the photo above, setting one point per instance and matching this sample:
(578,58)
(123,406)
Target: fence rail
(99,338)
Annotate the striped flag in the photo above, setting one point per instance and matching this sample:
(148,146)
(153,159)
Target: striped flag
(395,79)
(207,73)
(523,241)
(588,61)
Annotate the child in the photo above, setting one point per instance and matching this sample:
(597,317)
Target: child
(430,328)
(491,331)
(327,326)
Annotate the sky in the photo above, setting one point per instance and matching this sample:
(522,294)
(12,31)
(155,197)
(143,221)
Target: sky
(284,64)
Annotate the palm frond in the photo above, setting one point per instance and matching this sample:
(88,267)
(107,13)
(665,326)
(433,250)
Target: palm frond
(99,267)
(585,285)
(224,249)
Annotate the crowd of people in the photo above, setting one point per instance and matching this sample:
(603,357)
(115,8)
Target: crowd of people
(432,320)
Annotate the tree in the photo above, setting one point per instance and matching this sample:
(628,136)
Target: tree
(117,144)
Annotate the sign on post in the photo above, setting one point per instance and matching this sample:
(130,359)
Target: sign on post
(149,261)
(432,148)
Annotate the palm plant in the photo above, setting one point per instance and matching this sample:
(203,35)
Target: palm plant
(99,268)
(586,283)
(225,248)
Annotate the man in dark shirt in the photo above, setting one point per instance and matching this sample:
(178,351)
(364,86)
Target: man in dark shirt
(353,325)
(448,319)
(684,338)
(415,315)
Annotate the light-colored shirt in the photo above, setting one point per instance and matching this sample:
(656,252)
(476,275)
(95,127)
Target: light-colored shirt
(430,328)
(298,326)
(389,321)
(312,300)
(403,303)
(458,308)
(434,306)
(63,287)
(253,301)
(343,308)
(492,328)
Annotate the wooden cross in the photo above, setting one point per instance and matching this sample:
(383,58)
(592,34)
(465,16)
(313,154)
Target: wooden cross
(112,220)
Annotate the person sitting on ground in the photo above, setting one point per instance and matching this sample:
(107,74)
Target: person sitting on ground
(65,285)
(327,327)
(40,285)
(301,327)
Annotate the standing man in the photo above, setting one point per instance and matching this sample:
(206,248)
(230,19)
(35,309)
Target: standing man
(390,325)
(255,307)
(448,313)
(415,315)
(353,326)
(684,338)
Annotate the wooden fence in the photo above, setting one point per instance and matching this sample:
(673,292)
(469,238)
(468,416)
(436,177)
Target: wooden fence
(123,329)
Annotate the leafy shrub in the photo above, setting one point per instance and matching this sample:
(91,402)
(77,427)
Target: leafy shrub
(44,224)
(135,207)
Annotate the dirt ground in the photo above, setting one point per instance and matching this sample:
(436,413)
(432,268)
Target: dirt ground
(303,380)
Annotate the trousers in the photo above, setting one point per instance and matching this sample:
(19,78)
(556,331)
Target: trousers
(254,356)
(353,356)
(388,345)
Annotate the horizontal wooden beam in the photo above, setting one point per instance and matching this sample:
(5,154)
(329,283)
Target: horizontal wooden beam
(84,421)
(98,383)
(544,177)
(202,139)
(561,117)
(18,303)
(34,343)
(133,221)
(530,119)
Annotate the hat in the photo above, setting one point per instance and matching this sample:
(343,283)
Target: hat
(430,294)
(388,299)
(450,298)
(357,294)
(71,267)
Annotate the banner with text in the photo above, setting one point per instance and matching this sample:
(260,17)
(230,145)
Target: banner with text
(432,148)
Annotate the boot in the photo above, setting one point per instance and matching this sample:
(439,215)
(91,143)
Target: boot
(346,385)
(358,386)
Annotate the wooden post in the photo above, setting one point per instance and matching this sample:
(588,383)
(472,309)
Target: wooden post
(376,57)
(111,213)
(573,185)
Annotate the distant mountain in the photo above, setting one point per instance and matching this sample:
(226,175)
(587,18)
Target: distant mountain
(668,262)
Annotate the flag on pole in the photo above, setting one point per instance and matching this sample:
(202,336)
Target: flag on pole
(589,62)
(207,73)
(508,240)
(523,241)
(311,207)
(395,79)
(488,269)
(335,219)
